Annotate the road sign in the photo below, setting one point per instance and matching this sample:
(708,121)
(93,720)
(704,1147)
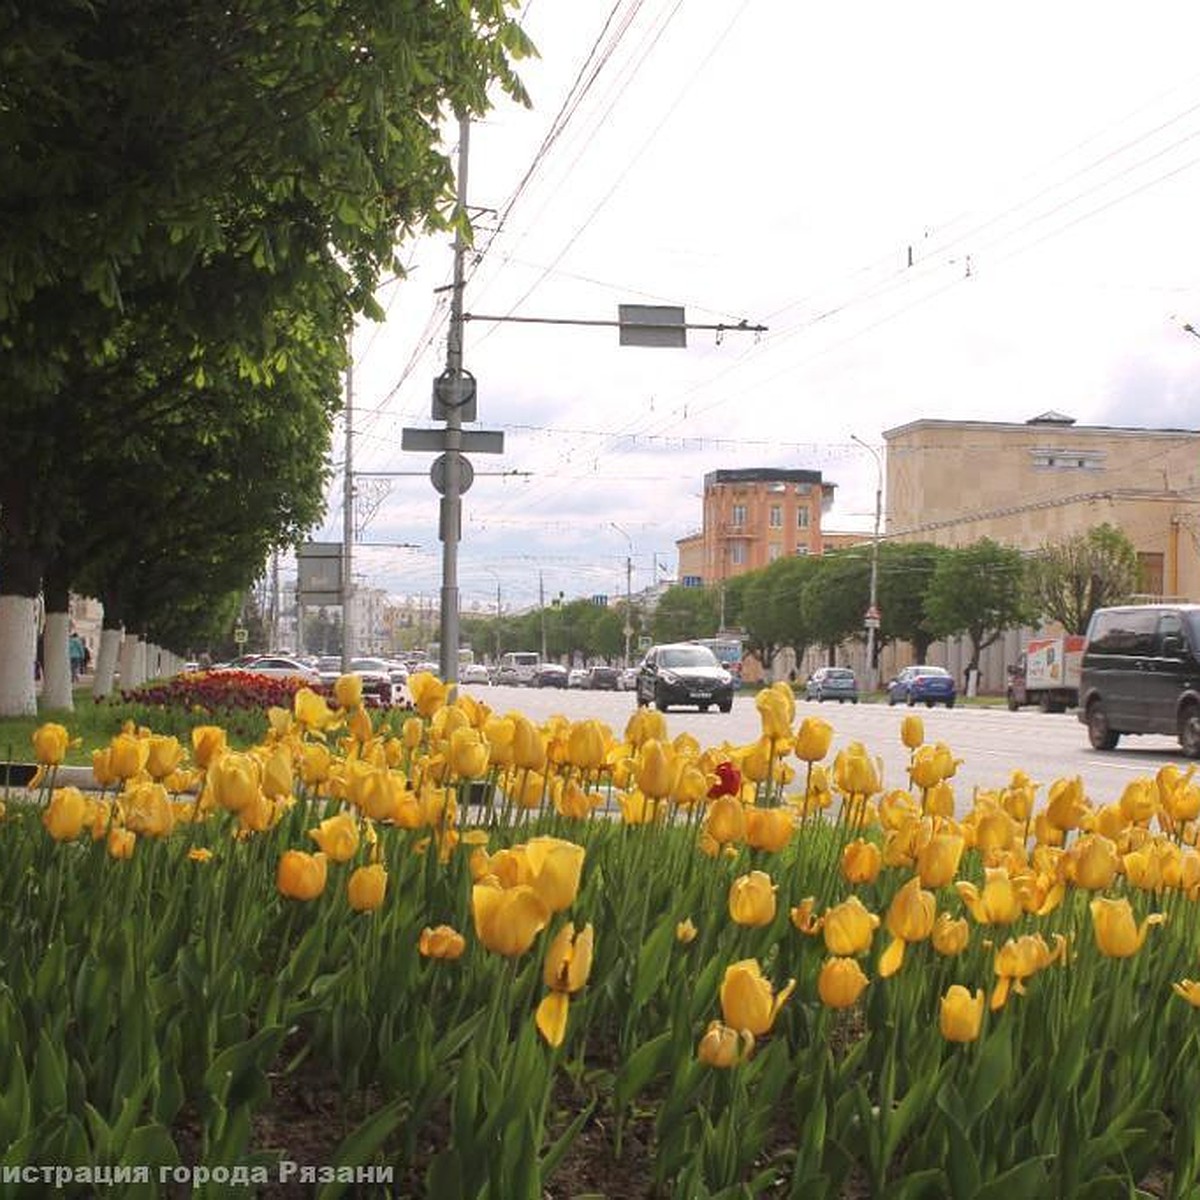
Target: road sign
(871,618)
(441,464)
(454,392)
(652,325)
(240,635)
(473,441)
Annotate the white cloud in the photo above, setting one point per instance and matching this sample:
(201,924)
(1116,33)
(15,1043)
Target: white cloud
(776,163)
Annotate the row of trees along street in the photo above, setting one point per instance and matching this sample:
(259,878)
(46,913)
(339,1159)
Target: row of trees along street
(925,592)
(198,202)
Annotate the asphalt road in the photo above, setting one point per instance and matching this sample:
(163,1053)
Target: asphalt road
(990,741)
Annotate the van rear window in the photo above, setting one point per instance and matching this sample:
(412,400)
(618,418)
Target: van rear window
(1123,631)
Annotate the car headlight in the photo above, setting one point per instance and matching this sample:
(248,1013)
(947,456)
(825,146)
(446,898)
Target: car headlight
(669,677)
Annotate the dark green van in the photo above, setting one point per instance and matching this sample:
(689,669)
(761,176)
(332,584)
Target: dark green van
(1141,674)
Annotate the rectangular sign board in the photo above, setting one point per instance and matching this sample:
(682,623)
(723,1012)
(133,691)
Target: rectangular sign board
(652,325)
(319,567)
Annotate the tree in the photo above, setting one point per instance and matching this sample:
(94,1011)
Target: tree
(836,597)
(905,574)
(790,617)
(977,590)
(209,162)
(683,613)
(1068,580)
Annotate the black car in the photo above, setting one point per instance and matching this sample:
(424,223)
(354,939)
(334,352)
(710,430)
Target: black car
(550,675)
(684,673)
(603,679)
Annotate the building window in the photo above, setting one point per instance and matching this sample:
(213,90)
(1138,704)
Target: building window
(739,516)
(775,519)
(802,518)
(803,489)
(773,551)
(1150,573)
(737,554)
(1067,460)
(801,550)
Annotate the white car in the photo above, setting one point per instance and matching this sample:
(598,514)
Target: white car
(275,666)
(577,678)
(474,673)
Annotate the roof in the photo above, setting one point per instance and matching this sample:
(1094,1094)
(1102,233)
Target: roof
(1023,427)
(761,475)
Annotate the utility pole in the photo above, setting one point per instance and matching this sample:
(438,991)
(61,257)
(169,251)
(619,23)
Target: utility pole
(542,608)
(871,618)
(628,589)
(348,518)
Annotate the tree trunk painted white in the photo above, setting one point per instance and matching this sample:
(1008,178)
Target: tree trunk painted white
(130,662)
(56,662)
(18,651)
(106,662)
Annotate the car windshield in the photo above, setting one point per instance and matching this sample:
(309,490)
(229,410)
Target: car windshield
(939,672)
(688,656)
(839,674)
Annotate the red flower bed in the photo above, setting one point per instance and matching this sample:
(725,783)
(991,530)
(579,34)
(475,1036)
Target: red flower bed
(220,691)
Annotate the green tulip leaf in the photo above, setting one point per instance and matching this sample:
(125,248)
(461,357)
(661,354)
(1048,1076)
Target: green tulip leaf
(648,1060)
(151,1146)
(992,1072)
(48,1085)
(653,960)
(1025,1179)
(363,1143)
(554,1156)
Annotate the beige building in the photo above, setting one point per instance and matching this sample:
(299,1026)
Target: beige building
(1023,485)
(752,516)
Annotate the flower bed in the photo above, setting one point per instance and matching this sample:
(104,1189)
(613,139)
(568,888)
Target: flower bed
(686,969)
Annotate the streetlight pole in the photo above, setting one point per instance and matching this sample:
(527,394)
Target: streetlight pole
(872,617)
(628,589)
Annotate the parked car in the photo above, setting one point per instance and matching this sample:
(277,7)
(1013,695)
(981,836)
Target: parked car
(474,673)
(923,684)
(577,677)
(550,675)
(1141,674)
(627,681)
(832,683)
(684,673)
(603,679)
(278,667)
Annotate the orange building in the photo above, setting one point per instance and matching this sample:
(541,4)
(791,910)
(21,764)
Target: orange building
(752,516)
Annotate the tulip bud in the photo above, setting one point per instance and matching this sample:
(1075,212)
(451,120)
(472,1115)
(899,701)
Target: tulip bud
(301,876)
(724,1047)
(961,1014)
(367,887)
(840,982)
(441,941)
(748,999)
(752,899)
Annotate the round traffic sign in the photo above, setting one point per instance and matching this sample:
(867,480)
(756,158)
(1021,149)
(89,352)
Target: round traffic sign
(440,468)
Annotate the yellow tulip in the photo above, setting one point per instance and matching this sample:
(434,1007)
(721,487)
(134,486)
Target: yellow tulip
(529,744)
(366,887)
(961,1014)
(377,793)
(337,837)
(724,1047)
(1092,862)
(441,941)
(769,829)
(277,773)
(50,743)
(912,731)
(555,867)
(748,999)
(1189,989)
(312,710)
(802,917)
(861,861)
(1067,805)
(653,771)
(301,876)
(121,842)
(758,759)
(412,732)
(644,724)
(570,799)
(428,692)
(102,771)
(586,744)
(685,932)
(208,744)
(854,771)
(551,1017)
(726,820)
(776,707)
(148,810)
(129,754)
(507,919)
(910,918)
(849,928)
(234,780)
(348,690)
(316,763)
(926,767)
(1117,933)
(840,982)
(1020,958)
(1143,869)
(1139,801)
(938,859)
(691,783)
(950,936)
(499,732)
(200,854)
(569,959)
(752,899)
(999,903)
(468,753)
(164,756)
(813,739)
(63,817)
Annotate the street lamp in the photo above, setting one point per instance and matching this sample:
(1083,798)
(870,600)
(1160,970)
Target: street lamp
(871,620)
(628,589)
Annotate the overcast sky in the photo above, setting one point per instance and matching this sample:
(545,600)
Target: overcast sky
(938,209)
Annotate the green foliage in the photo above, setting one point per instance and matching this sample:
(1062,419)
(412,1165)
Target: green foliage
(684,613)
(1068,580)
(977,590)
(906,571)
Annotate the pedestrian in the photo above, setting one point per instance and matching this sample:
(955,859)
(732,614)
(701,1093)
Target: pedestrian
(75,651)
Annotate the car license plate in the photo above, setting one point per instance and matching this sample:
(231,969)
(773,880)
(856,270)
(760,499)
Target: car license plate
(702,695)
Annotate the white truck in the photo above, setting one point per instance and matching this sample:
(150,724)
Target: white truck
(1047,674)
